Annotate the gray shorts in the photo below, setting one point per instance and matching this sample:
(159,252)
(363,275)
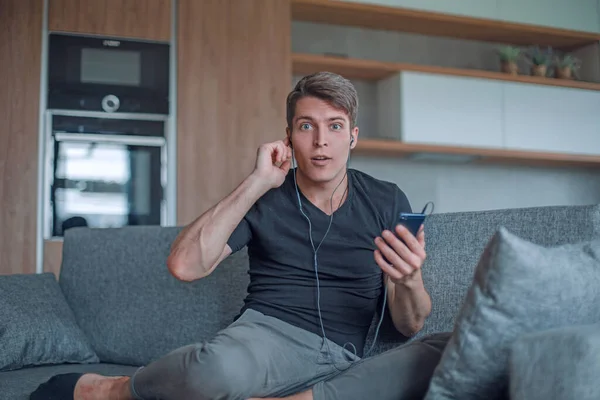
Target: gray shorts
(262,356)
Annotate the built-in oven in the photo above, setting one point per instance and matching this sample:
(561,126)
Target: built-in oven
(104,172)
(113,75)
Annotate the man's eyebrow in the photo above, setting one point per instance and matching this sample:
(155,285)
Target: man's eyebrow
(303,117)
(299,117)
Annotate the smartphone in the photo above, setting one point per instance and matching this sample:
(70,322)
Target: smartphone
(412,221)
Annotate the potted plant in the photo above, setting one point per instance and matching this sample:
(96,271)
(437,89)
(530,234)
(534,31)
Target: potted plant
(566,66)
(539,60)
(509,55)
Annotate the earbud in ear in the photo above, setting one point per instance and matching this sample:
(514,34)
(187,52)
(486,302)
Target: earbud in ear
(351,140)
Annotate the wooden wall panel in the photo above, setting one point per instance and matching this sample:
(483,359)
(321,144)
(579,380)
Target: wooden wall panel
(53,256)
(233,76)
(146,19)
(20,55)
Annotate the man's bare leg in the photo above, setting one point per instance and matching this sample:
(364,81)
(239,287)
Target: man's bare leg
(300,396)
(98,387)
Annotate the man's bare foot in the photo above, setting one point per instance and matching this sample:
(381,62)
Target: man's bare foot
(98,387)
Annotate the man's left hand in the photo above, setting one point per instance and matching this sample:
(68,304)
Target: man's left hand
(401,256)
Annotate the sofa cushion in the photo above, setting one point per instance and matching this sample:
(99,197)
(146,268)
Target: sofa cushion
(519,287)
(455,241)
(37,326)
(18,385)
(128,304)
(560,363)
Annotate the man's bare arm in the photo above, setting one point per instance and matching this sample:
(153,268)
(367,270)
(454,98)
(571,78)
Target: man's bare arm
(409,304)
(202,245)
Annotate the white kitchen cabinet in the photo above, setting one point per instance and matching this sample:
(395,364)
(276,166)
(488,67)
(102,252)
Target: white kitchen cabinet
(441,110)
(551,119)
(581,15)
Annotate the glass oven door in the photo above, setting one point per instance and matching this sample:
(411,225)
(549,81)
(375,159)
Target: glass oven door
(103,181)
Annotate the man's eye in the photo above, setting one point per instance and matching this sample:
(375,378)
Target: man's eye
(305,126)
(337,126)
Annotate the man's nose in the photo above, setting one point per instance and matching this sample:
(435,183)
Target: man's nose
(320,137)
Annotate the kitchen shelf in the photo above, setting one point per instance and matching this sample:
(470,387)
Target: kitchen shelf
(395,148)
(379,17)
(303,64)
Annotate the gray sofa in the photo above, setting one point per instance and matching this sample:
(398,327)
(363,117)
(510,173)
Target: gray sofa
(116,307)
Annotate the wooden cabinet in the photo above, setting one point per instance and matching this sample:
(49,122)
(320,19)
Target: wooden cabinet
(53,256)
(20,55)
(442,110)
(551,119)
(581,15)
(142,19)
(234,73)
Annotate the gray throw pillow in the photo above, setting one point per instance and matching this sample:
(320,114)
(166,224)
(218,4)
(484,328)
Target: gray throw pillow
(560,363)
(518,288)
(37,326)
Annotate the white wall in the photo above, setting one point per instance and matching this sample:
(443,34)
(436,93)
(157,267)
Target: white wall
(458,187)
(581,15)
(453,187)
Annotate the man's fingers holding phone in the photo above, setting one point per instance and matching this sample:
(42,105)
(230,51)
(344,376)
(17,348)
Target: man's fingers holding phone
(415,244)
(406,246)
(421,235)
(396,273)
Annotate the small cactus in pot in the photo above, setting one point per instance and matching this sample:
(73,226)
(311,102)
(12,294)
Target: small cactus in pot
(566,66)
(539,60)
(509,55)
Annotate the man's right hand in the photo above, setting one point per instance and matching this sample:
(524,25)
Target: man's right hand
(273,162)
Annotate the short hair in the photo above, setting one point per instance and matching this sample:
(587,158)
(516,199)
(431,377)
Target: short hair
(327,86)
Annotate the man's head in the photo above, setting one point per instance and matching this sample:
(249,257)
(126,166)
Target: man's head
(321,117)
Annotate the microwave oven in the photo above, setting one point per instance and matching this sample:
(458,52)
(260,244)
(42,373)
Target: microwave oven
(107,74)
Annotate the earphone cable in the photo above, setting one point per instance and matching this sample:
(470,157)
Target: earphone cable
(315,261)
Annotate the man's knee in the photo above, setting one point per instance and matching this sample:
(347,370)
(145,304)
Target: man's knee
(400,373)
(211,373)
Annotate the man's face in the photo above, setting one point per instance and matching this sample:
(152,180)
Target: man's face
(321,139)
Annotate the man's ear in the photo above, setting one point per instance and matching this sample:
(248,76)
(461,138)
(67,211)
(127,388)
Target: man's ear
(354,134)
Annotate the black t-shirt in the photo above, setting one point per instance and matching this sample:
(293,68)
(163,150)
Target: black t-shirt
(281,259)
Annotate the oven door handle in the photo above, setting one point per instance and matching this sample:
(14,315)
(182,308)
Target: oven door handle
(112,139)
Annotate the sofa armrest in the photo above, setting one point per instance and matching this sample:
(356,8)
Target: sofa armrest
(562,363)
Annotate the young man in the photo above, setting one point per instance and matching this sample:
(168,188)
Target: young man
(324,246)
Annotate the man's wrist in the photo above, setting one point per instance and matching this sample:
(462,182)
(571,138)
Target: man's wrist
(410,282)
(256,185)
